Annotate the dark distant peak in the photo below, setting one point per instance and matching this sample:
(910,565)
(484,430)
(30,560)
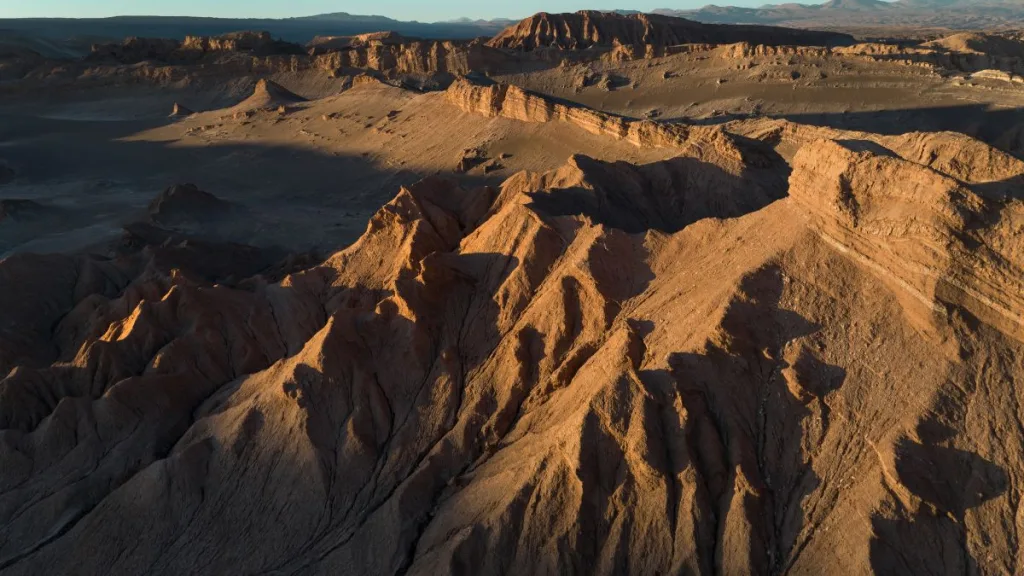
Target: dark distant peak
(932,14)
(345,17)
(856,5)
(184,202)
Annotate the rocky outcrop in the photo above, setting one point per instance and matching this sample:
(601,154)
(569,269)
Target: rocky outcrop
(193,48)
(133,50)
(750,50)
(967,52)
(186,203)
(995,45)
(605,368)
(508,101)
(420,64)
(178,111)
(931,235)
(326,44)
(423,359)
(246,41)
(587,29)
(415,57)
(268,95)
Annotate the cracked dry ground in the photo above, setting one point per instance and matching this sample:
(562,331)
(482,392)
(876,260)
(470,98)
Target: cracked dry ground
(687,367)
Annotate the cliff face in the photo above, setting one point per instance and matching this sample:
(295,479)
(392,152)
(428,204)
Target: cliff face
(136,50)
(1001,56)
(324,44)
(133,50)
(385,52)
(200,59)
(234,42)
(586,29)
(931,235)
(508,101)
(749,50)
(415,57)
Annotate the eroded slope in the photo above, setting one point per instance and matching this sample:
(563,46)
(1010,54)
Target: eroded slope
(603,368)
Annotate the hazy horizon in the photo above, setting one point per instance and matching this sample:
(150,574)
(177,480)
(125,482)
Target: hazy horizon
(406,10)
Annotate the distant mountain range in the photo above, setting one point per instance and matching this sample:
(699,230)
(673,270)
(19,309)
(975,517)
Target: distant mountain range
(954,14)
(301,29)
(57,34)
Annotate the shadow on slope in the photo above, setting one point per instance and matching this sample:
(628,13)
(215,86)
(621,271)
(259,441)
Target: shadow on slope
(1000,128)
(756,396)
(930,532)
(665,196)
(95,178)
(933,538)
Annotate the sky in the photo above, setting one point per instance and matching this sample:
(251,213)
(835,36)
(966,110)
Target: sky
(422,10)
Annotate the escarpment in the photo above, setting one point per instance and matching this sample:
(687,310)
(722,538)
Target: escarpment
(133,50)
(509,101)
(589,28)
(406,56)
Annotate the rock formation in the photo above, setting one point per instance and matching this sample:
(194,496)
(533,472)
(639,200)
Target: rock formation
(975,43)
(133,50)
(605,368)
(325,44)
(508,101)
(178,111)
(402,56)
(964,52)
(268,95)
(756,347)
(587,28)
(931,236)
(246,41)
(185,203)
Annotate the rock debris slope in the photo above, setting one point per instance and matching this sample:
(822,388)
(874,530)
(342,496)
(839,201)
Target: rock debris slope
(602,369)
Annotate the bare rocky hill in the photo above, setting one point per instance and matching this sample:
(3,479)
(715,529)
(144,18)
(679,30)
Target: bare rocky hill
(589,28)
(553,318)
(880,15)
(298,30)
(700,359)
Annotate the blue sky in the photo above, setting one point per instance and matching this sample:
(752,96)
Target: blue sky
(422,10)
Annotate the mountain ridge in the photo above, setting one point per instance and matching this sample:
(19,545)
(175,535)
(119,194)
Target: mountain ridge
(301,29)
(953,14)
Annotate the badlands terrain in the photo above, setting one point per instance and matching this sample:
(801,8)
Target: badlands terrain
(597,294)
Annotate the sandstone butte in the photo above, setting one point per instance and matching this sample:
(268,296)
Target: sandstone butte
(589,28)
